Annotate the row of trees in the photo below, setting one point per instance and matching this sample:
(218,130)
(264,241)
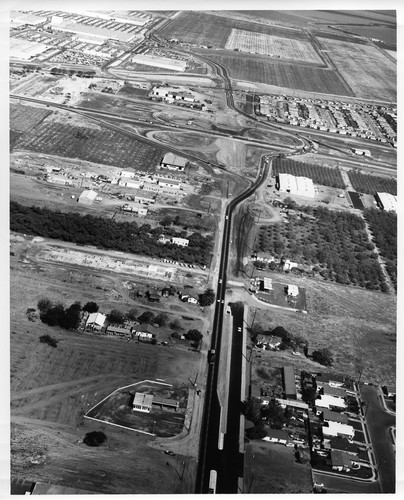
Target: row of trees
(384,228)
(106,233)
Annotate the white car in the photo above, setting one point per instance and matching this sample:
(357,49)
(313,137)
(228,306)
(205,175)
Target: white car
(239,329)
(220,281)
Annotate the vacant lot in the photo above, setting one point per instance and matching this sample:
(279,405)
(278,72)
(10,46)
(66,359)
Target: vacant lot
(25,118)
(271,467)
(358,326)
(283,48)
(320,175)
(371,184)
(288,75)
(369,73)
(96,145)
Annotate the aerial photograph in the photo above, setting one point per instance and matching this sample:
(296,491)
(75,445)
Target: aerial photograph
(202,250)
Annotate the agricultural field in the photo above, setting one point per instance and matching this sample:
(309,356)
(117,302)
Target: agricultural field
(333,244)
(200,28)
(371,184)
(281,74)
(25,118)
(283,48)
(96,145)
(324,176)
(367,71)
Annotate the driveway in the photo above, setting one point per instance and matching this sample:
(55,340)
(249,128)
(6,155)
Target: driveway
(378,422)
(337,484)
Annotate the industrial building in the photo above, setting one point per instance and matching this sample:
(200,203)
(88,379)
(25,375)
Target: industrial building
(92,33)
(87,197)
(25,19)
(160,62)
(299,186)
(173,162)
(25,50)
(289,384)
(386,201)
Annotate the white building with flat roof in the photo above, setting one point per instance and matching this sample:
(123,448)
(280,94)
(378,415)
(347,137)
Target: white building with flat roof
(160,62)
(92,32)
(25,18)
(143,402)
(387,201)
(173,162)
(337,429)
(299,186)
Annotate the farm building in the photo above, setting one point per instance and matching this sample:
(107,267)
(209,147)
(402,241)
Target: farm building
(145,334)
(168,183)
(173,162)
(340,461)
(144,197)
(142,402)
(132,183)
(386,201)
(87,197)
(118,331)
(268,284)
(182,242)
(292,290)
(337,429)
(127,175)
(328,378)
(96,321)
(160,62)
(289,384)
(288,265)
(361,152)
(170,403)
(151,187)
(59,179)
(299,186)
(330,402)
(276,436)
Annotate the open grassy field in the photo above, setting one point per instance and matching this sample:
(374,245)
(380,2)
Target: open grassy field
(283,48)
(96,145)
(371,184)
(280,74)
(358,326)
(369,73)
(24,118)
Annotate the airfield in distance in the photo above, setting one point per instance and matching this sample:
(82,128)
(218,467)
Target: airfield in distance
(203,251)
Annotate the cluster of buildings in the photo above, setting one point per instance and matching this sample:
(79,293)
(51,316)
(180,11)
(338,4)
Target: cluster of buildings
(357,120)
(178,96)
(143,333)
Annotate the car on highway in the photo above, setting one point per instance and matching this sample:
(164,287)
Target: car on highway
(220,281)
(239,329)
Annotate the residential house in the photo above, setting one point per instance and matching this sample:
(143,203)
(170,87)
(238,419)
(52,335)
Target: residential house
(330,402)
(118,331)
(333,416)
(142,402)
(342,444)
(341,461)
(328,378)
(330,390)
(337,429)
(289,384)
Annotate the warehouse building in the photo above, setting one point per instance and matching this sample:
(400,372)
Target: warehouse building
(386,201)
(289,384)
(173,162)
(87,197)
(25,50)
(160,62)
(92,33)
(299,186)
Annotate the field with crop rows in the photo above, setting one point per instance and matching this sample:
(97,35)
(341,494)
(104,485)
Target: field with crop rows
(274,46)
(320,175)
(367,71)
(371,184)
(282,74)
(24,118)
(335,243)
(205,29)
(100,146)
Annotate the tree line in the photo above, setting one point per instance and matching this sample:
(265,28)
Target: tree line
(107,234)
